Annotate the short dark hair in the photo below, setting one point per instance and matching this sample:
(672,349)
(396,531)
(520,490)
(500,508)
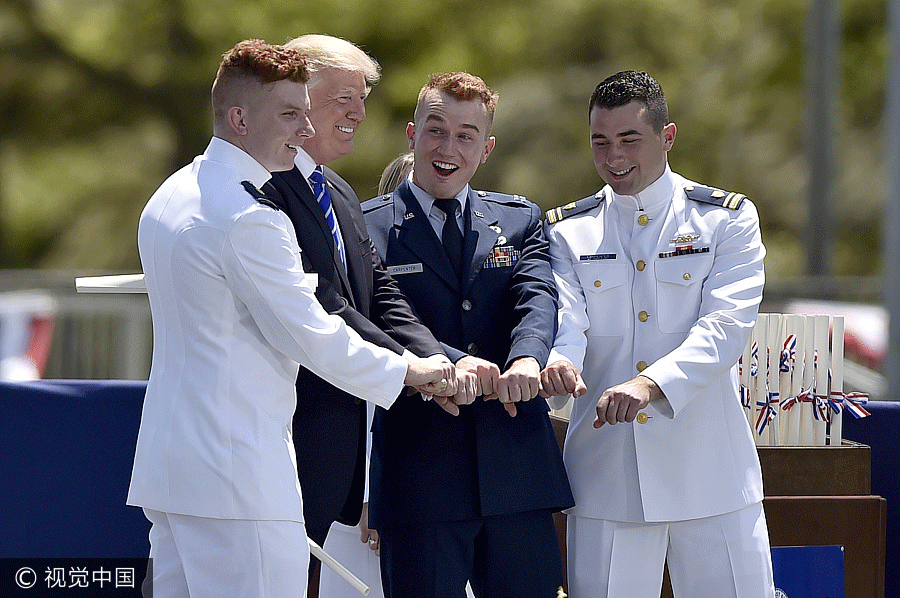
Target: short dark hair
(633,86)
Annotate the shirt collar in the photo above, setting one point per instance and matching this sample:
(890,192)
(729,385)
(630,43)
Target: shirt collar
(226,152)
(657,194)
(304,163)
(427,201)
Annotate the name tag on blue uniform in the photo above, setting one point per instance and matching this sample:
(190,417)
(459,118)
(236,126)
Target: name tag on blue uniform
(404,269)
(597,257)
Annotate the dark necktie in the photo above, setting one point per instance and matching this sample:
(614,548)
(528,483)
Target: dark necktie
(320,190)
(451,236)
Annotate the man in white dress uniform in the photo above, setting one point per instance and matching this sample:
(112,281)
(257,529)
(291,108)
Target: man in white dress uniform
(215,468)
(659,280)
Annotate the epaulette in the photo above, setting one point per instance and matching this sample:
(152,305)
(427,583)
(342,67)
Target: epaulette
(575,207)
(503,198)
(259,195)
(370,205)
(715,197)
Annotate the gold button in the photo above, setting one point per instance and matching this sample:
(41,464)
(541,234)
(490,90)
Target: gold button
(641,366)
(643,219)
(687,275)
(641,265)
(643,317)
(597,283)
(642,417)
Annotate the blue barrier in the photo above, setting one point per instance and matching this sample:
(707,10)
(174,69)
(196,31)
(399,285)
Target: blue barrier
(881,432)
(66,450)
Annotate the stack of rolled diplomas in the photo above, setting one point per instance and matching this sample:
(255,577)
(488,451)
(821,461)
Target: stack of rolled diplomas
(792,377)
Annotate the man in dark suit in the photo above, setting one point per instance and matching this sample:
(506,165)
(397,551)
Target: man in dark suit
(468,498)
(330,425)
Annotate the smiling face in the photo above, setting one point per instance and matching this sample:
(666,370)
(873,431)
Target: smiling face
(337,107)
(449,140)
(628,154)
(274,123)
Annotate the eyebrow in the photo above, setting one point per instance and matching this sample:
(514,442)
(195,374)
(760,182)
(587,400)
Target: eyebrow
(441,119)
(622,134)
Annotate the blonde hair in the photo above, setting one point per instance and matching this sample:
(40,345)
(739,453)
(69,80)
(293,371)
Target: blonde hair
(325,51)
(395,172)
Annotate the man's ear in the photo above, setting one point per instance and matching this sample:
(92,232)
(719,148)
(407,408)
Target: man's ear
(488,148)
(411,135)
(668,135)
(236,120)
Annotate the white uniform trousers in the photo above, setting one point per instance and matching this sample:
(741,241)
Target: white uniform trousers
(198,557)
(725,556)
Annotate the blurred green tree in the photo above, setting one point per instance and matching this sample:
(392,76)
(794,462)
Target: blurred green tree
(102,99)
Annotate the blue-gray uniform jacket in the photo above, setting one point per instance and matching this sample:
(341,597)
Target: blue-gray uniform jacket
(427,465)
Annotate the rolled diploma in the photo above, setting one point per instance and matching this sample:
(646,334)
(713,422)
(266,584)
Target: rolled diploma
(784,378)
(806,409)
(797,323)
(775,344)
(837,378)
(760,396)
(823,354)
(338,568)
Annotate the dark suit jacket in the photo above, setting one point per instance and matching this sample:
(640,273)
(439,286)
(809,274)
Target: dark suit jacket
(329,424)
(427,465)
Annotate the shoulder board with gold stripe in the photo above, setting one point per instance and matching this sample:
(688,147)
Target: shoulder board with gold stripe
(259,195)
(576,207)
(716,197)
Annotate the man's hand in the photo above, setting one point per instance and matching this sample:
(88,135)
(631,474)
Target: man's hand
(561,378)
(622,402)
(367,535)
(466,387)
(430,375)
(487,375)
(521,382)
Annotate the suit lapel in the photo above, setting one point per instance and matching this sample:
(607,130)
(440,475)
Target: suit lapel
(310,201)
(479,237)
(308,211)
(351,245)
(417,236)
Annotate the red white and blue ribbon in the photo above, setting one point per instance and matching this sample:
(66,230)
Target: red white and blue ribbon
(851,401)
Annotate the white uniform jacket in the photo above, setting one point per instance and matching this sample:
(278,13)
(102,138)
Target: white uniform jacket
(666,283)
(233,315)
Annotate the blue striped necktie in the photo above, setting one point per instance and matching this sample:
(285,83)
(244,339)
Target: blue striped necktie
(320,190)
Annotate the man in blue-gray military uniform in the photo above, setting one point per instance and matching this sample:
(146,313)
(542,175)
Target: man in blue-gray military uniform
(659,284)
(468,498)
